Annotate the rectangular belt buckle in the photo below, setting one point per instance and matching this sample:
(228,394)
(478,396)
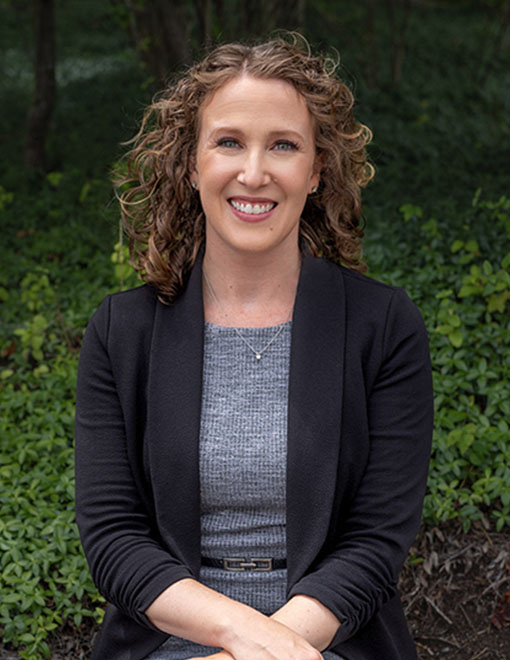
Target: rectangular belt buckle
(253,564)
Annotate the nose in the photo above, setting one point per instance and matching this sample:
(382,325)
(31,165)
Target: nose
(253,172)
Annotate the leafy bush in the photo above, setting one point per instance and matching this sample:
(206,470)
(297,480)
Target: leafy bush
(460,278)
(44,578)
(48,287)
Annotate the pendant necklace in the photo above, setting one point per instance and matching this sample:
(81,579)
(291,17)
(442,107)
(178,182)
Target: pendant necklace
(258,354)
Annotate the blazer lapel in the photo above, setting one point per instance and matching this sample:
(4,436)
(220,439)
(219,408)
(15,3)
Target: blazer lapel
(173,422)
(314,415)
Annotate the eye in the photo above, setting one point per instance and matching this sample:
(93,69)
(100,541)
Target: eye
(285,145)
(228,143)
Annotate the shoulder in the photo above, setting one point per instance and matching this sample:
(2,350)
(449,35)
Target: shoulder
(383,325)
(124,314)
(359,284)
(132,301)
(377,306)
(372,295)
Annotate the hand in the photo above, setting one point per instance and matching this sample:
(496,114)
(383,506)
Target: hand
(191,610)
(257,637)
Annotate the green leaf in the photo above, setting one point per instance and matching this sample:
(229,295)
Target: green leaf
(10,598)
(54,178)
(445,293)
(472,246)
(444,329)
(456,338)
(410,211)
(456,246)
(84,191)
(468,290)
(497,302)
(487,268)
(454,321)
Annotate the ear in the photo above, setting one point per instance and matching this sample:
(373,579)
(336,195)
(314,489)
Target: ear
(313,184)
(192,172)
(316,176)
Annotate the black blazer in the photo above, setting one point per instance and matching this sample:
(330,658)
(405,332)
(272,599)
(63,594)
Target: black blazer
(359,434)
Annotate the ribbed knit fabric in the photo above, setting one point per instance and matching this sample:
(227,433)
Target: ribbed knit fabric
(243,451)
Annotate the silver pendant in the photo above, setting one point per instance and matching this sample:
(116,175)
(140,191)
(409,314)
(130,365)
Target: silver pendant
(258,356)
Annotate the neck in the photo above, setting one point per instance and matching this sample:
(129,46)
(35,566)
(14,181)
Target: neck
(250,290)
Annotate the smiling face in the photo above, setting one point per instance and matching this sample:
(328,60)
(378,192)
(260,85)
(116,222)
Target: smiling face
(255,165)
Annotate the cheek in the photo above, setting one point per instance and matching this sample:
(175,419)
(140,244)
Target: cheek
(299,174)
(296,185)
(215,170)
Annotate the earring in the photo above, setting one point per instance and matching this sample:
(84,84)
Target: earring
(313,190)
(194,185)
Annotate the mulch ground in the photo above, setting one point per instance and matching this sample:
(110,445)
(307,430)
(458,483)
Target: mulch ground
(457,601)
(455,590)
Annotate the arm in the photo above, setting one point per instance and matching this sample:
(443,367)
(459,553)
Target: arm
(127,564)
(376,528)
(191,610)
(309,618)
(211,619)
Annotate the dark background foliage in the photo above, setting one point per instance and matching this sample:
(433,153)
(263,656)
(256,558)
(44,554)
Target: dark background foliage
(432,81)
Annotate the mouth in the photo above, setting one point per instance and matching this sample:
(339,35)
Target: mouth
(252,208)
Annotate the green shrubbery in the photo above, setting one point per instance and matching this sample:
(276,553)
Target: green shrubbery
(460,278)
(54,273)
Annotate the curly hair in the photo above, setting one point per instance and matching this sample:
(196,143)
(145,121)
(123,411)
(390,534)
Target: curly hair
(161,212)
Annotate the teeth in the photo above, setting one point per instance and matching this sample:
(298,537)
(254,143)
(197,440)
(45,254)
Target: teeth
(254,209)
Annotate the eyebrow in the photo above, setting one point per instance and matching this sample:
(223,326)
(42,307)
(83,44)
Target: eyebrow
(272,134)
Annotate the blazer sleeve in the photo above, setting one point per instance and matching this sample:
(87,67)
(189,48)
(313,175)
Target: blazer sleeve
(128,565)
(373,537)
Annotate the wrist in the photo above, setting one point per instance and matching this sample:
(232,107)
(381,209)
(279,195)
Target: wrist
(236,622)
(309,618)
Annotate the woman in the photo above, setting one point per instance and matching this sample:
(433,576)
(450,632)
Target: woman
(253,425)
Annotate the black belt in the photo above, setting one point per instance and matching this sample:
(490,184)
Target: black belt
(243,564)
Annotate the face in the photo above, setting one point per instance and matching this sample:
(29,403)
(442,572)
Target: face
(255,165)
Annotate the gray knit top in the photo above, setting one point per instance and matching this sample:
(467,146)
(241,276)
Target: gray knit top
(243,451)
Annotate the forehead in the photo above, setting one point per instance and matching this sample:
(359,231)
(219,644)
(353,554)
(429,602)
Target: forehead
(247,99)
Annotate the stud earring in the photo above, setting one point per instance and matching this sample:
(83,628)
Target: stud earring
(313,190)
(194,185)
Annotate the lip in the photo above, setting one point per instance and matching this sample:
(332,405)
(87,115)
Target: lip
(251,217)
(252,200)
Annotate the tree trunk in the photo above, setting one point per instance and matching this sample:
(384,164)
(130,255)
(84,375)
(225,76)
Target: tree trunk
(160,31)
(373,55)
(398,37)
(203,9)
(497,42)
(44,96)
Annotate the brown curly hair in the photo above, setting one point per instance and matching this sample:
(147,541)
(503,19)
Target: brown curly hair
(162,213)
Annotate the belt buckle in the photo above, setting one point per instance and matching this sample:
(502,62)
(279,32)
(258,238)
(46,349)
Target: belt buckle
(260,564)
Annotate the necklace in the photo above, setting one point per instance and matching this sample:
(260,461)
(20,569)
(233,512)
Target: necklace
(258,354)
